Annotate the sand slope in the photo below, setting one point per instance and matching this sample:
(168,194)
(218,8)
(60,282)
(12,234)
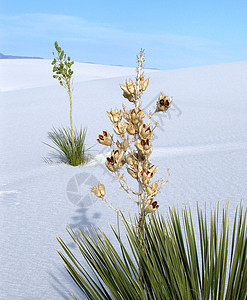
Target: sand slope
(203,141)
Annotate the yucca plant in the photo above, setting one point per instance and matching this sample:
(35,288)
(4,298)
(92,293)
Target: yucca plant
(63,72)
(69,143)
(164,259)
(178,263)
(131,148)
(68,152)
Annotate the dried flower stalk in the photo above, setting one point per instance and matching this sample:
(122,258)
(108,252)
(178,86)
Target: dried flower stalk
(134,145)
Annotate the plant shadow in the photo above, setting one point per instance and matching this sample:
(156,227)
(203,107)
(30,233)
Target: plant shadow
(82,222)
(58,284)
(60,277)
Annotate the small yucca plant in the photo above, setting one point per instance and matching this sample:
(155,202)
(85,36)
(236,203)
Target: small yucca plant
(68,143)
(68,152)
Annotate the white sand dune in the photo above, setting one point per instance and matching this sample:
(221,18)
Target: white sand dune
(31,73)
(202,140)
(199,149)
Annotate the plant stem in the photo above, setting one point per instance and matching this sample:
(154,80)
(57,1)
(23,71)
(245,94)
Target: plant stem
(140,227)
(71,123)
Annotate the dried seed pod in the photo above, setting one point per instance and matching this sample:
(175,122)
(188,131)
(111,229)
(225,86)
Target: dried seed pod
(120,129)
(130,86)
(99,191)
(131,159)
(143,145)
(116,160)
(153,189)
(145,84)
(101,188)
(152,169)
(151,206)
(163,103)
(146,165)
(124,88)
(136,116)
(132,172)
(105,139)
(96,191)
(145,177)
(130,97)
(148,152)
(133,115)
(131,128)
(149,190)
(115,115)
(110,164)
(124,145)
(145,131)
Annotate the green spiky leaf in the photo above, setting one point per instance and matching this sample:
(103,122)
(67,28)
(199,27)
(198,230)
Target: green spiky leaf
(177,261)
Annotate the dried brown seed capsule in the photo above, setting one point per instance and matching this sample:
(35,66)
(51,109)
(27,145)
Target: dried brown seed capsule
(120,129)
(116,160)
(115,115)
(145,84)
(132,172)
(163,103)
(151,206)
(105,139)
(131,128)
(98,191)
(101,188)
(130,86)
(145,131)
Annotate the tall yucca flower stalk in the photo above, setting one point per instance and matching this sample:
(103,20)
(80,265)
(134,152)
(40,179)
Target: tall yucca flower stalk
(62,69)
(133,146)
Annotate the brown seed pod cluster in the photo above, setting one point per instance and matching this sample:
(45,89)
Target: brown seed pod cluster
(133,147)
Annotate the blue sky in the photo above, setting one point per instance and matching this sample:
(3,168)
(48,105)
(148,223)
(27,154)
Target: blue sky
(174,34)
